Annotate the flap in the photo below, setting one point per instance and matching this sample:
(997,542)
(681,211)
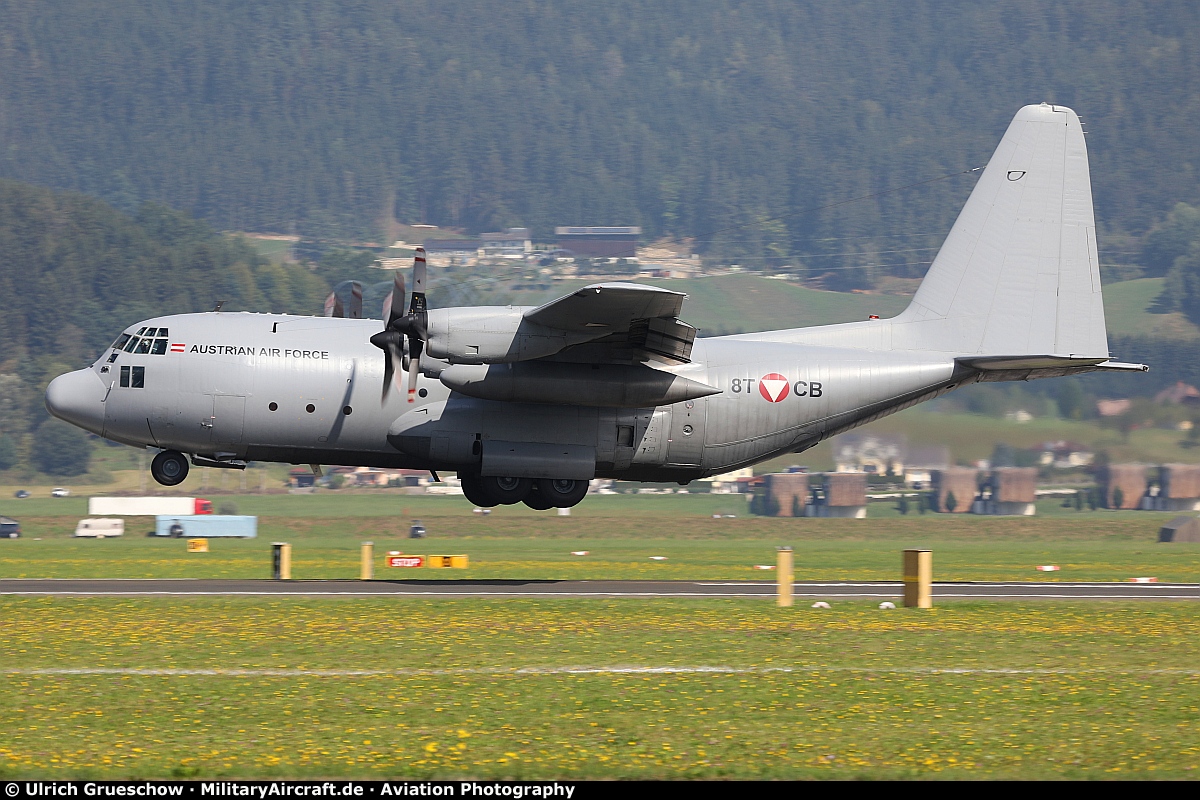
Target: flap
(607,307)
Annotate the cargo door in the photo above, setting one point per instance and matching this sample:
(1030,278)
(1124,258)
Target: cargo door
(685,444)
(229,414)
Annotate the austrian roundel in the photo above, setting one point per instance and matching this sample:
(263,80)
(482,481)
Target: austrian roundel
(773,387)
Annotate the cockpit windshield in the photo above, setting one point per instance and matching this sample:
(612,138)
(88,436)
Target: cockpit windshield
(151,341)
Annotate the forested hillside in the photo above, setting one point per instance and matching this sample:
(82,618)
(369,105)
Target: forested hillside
(74,271)
(688,118)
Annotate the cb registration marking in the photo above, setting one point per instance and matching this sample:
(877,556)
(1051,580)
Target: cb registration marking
(775,388)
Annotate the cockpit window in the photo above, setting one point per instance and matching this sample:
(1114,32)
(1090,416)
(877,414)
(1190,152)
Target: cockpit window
(144,346)
(141,331)
(160,347)
(132,343)
(121,341)
(162,332)
(152,332)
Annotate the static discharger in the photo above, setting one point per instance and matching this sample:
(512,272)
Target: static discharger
(784,577)
(918,579)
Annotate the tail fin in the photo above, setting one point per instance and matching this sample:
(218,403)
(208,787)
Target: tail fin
(1018,273)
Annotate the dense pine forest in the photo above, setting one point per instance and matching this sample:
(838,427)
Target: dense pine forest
(718,120)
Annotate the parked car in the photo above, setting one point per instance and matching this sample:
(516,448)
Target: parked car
(60,492)
(21,494)
(9,528)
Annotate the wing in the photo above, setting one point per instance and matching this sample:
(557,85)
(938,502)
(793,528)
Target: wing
(638,317)
(608,305)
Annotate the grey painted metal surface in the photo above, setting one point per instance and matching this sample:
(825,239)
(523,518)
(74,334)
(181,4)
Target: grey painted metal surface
(610,374)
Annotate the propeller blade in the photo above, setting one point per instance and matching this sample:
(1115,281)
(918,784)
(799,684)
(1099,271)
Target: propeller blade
(390,343)
(393,307)
(418,292)
(414,368)
(333,305)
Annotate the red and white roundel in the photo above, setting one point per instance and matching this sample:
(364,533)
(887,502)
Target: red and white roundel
(773,387)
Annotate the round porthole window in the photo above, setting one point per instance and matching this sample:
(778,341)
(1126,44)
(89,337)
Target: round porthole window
(347,411)
(687,430)
(423,392)
(273,406)
(310,408)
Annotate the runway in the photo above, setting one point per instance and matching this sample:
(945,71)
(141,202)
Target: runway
(523,588)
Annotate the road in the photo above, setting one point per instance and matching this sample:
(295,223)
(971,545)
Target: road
(522,588)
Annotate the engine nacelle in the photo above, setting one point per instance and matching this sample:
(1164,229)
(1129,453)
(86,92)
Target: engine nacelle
(494,335)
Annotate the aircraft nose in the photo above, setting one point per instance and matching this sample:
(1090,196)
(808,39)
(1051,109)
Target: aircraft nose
(78,398)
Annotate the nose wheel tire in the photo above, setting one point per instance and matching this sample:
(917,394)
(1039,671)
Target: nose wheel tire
(473,491)
(505,490)
(169,468)
(562,493)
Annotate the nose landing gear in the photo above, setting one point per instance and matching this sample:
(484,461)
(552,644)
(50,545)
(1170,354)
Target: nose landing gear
(169,468)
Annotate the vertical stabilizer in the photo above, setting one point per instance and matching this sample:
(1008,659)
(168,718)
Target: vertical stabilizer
(1019,272)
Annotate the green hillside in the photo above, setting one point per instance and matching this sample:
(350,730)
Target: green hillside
(1127,311)
(714,119)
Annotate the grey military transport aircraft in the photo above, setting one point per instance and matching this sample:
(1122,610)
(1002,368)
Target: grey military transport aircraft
(529,404)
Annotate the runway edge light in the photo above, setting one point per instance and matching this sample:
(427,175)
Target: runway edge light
(783,577)
(918,579)
(366,566)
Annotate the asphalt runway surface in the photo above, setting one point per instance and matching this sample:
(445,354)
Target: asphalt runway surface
(527,588)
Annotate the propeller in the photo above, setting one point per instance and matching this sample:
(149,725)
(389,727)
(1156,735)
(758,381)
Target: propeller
(399,326)
(334,307)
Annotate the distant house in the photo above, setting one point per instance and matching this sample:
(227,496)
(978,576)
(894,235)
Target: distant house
(1065,455)
(301,478)
(1179,394)
(453,247)
(869,452)
(921,462)
(600,242)
(510,243)
(1113,408)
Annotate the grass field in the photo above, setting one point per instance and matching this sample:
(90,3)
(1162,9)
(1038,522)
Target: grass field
(425,688)
(620,534)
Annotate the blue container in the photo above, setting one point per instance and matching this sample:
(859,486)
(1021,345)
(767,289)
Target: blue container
(206,526)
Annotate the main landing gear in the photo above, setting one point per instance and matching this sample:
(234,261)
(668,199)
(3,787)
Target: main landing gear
(541,494)
(169,468)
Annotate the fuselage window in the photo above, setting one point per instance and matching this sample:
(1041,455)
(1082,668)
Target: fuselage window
(113,357)
(144,346)
(160,347)
(133,377)
(121,341)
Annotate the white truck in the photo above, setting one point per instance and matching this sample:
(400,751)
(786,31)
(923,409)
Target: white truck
(148,506)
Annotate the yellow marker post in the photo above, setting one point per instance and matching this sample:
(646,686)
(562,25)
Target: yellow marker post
(784,577)
(281,561)
(366,566)
(197,545)
(918,579)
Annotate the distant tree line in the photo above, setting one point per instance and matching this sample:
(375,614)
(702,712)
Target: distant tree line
(743,126)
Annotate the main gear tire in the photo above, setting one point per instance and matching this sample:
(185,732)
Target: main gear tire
(506,490)
(562,493)
(537,502)
(474,492)
(169,468)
